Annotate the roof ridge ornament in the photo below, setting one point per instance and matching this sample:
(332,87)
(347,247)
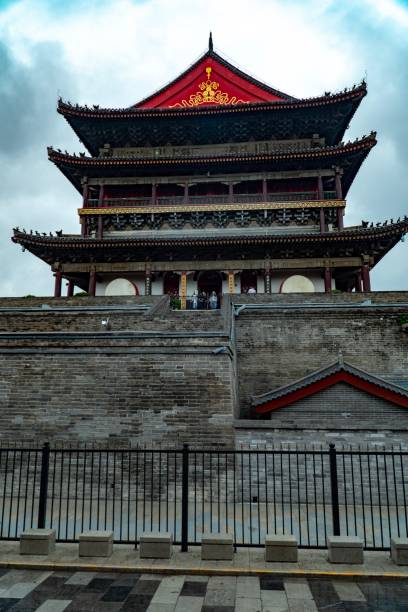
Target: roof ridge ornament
(210,43)
(340,358)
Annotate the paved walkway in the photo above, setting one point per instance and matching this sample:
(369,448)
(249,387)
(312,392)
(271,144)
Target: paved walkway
(125,583)
(42,591)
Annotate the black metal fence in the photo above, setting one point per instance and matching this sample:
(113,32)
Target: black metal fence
(310,493)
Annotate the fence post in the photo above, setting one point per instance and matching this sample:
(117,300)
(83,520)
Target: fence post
(42,502)
(184,501)
(334,487)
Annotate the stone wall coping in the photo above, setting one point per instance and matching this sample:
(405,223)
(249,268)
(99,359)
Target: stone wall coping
(156,536)
(37,534)
(401,543)
(344,542)
(96,536)
(217,538)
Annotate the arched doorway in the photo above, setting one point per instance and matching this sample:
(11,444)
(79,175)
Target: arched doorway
(249,280)
(171,283)
(209,282)
(297,284)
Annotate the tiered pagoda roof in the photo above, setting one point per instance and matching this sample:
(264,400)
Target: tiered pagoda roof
(225,106)
(377,240)
(350,155)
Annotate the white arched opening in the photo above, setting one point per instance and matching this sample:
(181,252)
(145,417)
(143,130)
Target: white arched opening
(297,284)
(121,286)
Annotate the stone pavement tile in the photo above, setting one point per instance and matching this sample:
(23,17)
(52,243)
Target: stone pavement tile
(51,584)
(98,585)
(192,588)
(218,609)
(189,604)
(10,578)
(151,577)
(274,601)
(6,604)
(248,604)
(323,592)
(126,579)
(54,605)
(361,606)
(145,587)
(160,607)
(138,601)
(84,601)
(168,590)
(197,578)
(222,582)
(18,590)
(302,605)
(348,591)
(271,583)
(116,593)
(248,586)
(83,578)
(220,597)
(297,588)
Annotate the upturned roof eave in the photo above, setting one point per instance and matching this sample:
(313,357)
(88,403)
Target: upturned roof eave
(356,92)
(321,374)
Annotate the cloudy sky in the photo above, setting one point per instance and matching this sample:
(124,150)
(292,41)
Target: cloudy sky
(115,52)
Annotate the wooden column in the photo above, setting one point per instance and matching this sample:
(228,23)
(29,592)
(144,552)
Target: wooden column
(154,194)
(327,279)
(231,282)
(320,190)
(84,227)
(70,288)
(92,283)
(339,190)
(100,227)
(85,195)
(148,283)
(322,221)
(57,284)
(230,192)
(101,196)
(365,277)
(183,290)
(340,212)
(358,282)
(267,281)
(264,190)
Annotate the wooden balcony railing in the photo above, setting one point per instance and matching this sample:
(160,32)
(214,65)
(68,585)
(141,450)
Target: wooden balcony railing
(241,198)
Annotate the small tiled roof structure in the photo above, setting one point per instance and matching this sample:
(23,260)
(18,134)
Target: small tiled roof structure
(338,371)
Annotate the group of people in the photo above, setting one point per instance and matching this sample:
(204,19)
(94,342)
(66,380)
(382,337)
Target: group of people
(202,301)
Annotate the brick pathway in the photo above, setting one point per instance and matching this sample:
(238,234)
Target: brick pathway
(30,590)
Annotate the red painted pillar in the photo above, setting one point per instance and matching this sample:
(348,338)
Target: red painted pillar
(358,282)
(320,191)
(365,275)
(57,284)
(339,190)
(327,279)
(322,221)
(101,196)
(85,195)
(230,192)
(70,288)
(92,283)
(340,213)
(264,190)
(100,227)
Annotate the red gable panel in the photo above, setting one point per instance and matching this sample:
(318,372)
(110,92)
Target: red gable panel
(211,82)
(329,381)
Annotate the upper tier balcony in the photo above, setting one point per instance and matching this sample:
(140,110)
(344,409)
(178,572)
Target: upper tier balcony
(241,198)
